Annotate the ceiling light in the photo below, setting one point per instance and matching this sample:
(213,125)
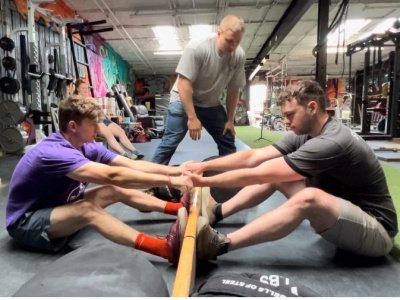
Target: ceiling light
(164,32)
(350,28)
(196,31)
(384,25)
(168,53)
(254,72)
(167,37)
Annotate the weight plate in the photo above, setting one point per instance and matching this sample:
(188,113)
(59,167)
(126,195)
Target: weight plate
(10,113)
(11,140)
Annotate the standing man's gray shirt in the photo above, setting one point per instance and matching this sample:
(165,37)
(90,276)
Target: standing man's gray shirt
(209,71)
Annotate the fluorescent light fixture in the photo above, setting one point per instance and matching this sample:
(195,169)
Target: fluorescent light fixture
(168,53)
(164,32)
(254,72)
(350,28)
(382,27)
(333,50)
(167,38)
(196,31)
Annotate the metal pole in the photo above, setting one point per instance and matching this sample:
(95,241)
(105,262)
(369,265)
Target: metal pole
(323,18)
(365,126)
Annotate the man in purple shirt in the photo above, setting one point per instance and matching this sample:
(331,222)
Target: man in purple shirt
(48,200)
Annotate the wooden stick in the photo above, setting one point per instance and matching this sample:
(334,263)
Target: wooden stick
(186,271)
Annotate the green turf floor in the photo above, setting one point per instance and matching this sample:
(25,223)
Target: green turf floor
(249,136)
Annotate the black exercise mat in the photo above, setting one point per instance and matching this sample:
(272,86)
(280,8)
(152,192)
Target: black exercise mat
(97,270)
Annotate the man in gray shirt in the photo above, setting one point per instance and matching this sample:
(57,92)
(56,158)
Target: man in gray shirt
(329,174)
(207,66)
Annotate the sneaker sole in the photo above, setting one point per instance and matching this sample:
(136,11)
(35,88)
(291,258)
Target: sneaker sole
(204,212)
(202,223)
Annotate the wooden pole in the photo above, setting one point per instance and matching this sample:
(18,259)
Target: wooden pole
(186,271)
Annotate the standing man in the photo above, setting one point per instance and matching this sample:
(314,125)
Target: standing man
(329,174)
(206,68)
(48,200)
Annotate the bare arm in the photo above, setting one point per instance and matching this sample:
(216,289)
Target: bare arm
(125,177)
(231,101)
(145,166)
(186,95)
(274,170)
(242,159)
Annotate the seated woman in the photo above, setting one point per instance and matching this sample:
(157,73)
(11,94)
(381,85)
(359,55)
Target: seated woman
(110,130)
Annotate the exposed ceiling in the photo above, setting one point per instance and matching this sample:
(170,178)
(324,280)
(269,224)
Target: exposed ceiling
(134,39)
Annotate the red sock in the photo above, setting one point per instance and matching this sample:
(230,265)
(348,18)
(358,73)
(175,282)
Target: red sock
(152,245)
(172,208)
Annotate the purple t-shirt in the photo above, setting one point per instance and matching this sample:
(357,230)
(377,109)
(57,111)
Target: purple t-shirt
(39,179)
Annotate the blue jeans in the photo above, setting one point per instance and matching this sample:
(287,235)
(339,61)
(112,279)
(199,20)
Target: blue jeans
(212,118)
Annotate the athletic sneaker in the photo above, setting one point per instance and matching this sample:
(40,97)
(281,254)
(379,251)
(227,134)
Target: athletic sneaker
(138,154)
(209,243)
(207,210)
(176,235)
(185,200)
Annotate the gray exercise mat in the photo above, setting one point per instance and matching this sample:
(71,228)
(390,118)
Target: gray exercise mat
(97,270)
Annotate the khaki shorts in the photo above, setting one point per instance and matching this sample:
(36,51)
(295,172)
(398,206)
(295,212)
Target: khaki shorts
(358,232)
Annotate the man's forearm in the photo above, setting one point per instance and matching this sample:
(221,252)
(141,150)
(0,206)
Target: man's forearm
(186,96)
(231,102)
(242,159)
(145,166)
(229,162)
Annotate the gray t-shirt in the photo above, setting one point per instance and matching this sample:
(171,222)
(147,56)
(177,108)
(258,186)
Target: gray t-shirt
(209,71)
(341,163)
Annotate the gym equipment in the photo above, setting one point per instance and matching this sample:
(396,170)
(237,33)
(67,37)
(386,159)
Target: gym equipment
(10,113)
(252,285)
(25,80)
(391,149)
(220,194)
(97,270)
(9,85)
(119,96)
(262,127)
(7,44)
(155,124)
(12,140)
(9,63)
(165,193)
(241,118)
(82,30)
(363,81)
(36,103)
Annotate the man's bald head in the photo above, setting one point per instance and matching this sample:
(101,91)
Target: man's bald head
(232,23)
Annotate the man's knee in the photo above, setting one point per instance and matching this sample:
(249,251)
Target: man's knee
(89,211)
(307,201)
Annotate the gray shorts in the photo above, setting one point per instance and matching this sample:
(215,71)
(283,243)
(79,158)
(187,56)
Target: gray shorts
(31,231)
(358,232)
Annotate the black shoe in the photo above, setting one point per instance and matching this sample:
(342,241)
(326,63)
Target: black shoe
(138,154)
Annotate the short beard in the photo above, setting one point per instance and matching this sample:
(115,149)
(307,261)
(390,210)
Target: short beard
(307,125)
